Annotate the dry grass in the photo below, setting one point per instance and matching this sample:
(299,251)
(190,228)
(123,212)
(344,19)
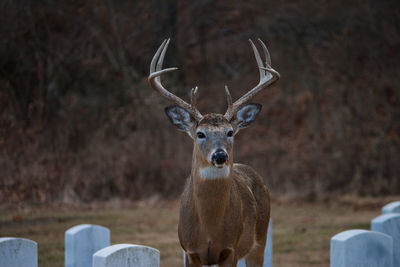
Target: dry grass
(301,230)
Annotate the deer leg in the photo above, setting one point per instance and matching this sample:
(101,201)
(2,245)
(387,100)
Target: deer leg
(192,260)
(228,258)
(255,258)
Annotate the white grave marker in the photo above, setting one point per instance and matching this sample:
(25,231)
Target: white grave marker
(361,248)
(18,252)
(393,207)
(127,255)
(389,224)
(82,241)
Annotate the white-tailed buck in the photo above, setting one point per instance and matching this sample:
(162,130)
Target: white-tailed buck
(225,206)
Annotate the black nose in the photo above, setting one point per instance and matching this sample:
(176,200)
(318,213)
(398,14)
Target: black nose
(219,157)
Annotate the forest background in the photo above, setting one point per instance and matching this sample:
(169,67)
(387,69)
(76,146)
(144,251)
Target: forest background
(79,122)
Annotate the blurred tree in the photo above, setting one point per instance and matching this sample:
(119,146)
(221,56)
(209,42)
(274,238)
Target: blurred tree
(78,120)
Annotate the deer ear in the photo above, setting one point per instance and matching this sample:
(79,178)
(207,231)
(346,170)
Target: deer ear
(180,118)
(246,115)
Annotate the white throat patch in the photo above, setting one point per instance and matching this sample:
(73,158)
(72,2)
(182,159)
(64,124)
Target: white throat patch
(214,172)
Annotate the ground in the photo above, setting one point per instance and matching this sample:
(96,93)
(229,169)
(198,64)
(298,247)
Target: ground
(301,229)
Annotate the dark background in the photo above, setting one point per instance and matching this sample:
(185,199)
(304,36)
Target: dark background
(79,122)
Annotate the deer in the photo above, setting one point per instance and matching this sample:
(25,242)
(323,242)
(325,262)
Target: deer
(225,206)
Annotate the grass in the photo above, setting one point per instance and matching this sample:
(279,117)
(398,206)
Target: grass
(301,230)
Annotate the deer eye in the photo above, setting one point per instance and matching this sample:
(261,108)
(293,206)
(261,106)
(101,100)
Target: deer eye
(230,133)
(201,135)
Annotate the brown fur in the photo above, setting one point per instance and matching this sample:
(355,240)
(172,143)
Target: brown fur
(224,219)
(214,120)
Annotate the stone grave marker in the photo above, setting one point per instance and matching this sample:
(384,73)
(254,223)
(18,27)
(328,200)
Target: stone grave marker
(389,224)
(393,207)
(127,255)
(18,252)
(82,241)
(361,248)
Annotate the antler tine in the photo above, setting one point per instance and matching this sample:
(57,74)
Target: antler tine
(156,63)
(266,53)
(258,58)
(267,77)
(155,57)
(193,97)
(162,56)
(228,99)
(154,79)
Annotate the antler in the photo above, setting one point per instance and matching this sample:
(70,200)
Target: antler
(154,79)
(267,77)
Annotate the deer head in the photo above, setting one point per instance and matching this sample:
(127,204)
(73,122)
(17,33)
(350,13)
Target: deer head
(212,134)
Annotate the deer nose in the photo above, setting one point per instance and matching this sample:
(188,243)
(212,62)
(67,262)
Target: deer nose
(219,157)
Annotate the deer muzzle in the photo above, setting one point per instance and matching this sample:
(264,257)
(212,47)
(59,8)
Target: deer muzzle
(219,157)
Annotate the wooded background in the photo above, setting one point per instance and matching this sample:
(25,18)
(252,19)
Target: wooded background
(79,122)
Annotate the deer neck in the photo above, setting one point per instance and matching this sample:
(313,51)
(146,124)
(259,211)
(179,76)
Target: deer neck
(211,189)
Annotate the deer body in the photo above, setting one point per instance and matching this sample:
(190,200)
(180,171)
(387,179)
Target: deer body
(227,225)
(225,207)
(222,206)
